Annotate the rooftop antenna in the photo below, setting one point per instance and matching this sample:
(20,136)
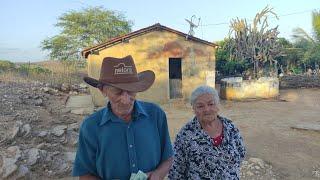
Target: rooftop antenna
(192,25)
(191,33)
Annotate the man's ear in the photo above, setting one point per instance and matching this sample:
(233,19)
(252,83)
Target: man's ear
(100,87)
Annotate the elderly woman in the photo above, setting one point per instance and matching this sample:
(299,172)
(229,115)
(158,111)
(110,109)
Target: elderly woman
(209,146)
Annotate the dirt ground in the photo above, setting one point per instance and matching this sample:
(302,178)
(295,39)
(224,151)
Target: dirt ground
(38,135)
(266,128)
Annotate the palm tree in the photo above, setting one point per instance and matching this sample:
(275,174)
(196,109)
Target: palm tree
(309,43)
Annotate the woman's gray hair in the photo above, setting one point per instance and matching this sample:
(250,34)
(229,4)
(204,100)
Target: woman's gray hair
(204,90)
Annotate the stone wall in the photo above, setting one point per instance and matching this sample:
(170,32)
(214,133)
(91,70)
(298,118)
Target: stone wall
(298,81)
(237,89)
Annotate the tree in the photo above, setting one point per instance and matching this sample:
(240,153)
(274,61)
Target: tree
(310,44)
(255,43)
(85,28)
(226,66)
(291,56)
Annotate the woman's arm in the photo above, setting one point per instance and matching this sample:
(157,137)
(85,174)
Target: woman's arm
(178,169)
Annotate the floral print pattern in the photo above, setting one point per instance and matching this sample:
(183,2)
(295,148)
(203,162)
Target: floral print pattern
(195,156)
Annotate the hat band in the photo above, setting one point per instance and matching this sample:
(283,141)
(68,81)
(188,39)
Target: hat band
(120,79)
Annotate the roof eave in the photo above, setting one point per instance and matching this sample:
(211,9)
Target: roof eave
(85,53)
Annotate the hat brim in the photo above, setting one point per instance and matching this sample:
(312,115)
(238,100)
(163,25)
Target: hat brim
(146,79)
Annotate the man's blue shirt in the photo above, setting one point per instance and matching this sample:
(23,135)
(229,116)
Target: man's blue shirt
(110,148)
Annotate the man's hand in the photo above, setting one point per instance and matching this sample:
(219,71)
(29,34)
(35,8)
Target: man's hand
(88,177)
(153,175)
(161,172)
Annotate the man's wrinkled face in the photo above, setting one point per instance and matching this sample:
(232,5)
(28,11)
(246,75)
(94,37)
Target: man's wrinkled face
(122,101)
(205,108)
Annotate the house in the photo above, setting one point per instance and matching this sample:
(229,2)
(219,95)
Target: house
(181,62)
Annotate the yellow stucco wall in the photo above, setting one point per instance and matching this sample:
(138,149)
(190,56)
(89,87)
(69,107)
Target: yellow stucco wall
(237,89)
(152,51)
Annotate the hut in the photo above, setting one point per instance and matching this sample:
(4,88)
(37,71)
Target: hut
(180,61)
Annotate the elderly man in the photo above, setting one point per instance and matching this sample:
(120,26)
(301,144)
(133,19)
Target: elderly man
(127,136)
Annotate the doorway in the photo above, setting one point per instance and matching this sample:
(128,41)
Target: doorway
(175,78)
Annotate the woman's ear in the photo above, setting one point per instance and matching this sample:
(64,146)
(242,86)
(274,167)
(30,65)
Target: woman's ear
(193,108)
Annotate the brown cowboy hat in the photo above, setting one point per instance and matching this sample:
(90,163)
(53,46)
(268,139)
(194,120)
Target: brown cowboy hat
(121,73)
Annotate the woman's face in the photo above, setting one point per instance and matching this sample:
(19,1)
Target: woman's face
(205,108)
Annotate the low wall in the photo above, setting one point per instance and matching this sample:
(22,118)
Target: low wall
(236,88)
(298,81)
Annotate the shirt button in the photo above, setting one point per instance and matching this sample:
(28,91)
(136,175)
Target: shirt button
(133,165)
(130,146)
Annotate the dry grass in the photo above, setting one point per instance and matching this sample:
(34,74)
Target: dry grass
(58,73)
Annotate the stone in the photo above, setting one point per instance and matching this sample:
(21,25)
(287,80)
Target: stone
(73,126)
(14,152)
(26,128)
(14,132)
(63,168)
(55,153)
(75,102)
(23,171)
(249,173)
(42,133)
(33,156)
(45,89)
(65,110)
(65,87)
(73,93)
(257,161)
(83,85)
(59,130)
(82,111)
(38,102)
(8,167)
(41,145)
(69,156)
(72,138)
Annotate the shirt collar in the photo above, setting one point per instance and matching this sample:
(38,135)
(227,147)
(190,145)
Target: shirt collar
(108,115)
(202,134)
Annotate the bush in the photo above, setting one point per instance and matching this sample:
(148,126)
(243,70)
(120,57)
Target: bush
(231,67)
(6,65)
(40,70)
(296,70)
(26,69)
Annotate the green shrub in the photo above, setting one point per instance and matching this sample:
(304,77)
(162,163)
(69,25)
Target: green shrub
(27,69)
(40,70)
(296,70)
(6,65)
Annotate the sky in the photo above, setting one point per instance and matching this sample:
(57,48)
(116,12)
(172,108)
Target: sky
(25,24)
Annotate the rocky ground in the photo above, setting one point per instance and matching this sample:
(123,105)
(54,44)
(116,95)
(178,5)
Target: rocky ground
(38,134)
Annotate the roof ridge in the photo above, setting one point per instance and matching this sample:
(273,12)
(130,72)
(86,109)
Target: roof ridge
(124,37)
